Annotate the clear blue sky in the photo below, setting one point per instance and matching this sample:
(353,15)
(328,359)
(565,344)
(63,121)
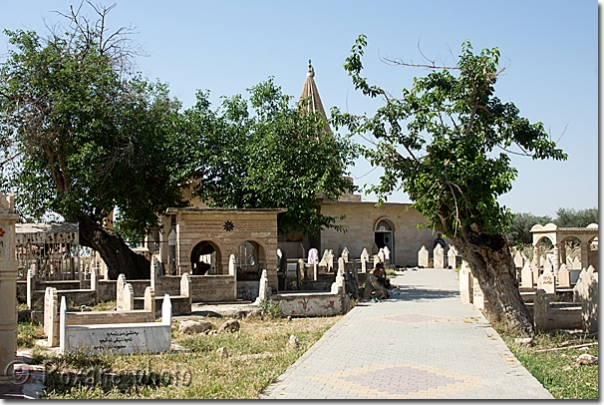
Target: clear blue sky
(550,48)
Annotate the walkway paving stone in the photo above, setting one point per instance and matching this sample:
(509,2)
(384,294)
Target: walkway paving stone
(422,344)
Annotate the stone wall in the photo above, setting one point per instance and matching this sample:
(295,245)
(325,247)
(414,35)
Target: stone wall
(361,219)
(225,230)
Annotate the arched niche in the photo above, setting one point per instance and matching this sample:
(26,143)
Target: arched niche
(205,258)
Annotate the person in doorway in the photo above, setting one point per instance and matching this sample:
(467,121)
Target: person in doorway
(440,241)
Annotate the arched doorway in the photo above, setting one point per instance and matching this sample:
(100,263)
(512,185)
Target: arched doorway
(250,259)
(384,236)
(205,259)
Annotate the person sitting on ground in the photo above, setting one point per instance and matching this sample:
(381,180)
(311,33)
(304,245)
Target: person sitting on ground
(373,288)
(380,274)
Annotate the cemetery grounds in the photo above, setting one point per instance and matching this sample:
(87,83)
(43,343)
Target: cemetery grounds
(257,354)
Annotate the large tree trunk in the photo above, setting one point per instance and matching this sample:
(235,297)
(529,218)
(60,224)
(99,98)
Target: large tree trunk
(118,257)
(491,262)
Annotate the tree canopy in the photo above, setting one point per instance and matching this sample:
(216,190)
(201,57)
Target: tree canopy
(266,152)
(446,143)
(81,136)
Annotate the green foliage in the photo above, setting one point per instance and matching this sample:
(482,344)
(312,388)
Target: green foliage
(83,136)
(439,141)
(571,218)
(270,309)
(556,370)
(266,152)
(27,333)
(520,229)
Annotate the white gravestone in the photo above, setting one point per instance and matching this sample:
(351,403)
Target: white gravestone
(577,264)
(124,338)
(526,276)
(547,281)
(464,283)
(452,254)
(563,277)
(439,257)
(264,291)
(345,254)
(478,298)
(586,292)
(518,261)
(423,258)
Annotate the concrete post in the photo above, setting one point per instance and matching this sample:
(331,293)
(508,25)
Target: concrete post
(8,287)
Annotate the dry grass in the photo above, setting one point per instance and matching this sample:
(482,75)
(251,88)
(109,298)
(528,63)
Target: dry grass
(257,356)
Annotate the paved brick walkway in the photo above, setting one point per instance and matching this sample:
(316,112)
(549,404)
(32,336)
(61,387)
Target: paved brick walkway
(423,344)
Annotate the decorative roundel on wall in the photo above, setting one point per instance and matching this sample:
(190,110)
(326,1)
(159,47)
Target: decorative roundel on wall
(228,226)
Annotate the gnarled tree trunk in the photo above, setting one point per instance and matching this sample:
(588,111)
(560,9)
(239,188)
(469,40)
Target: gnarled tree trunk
(491,262)
(114,251)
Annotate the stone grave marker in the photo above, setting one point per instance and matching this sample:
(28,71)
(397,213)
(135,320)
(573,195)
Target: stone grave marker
(541,309)
(439,257)
(345,254)
(478,298)
(465,279)
(124,338)
(381,256)
(364,260)
(563,277)
(423,257)
(264,291)
(452,254)
(386,253)
(518,260)
(119,290)
(577,264)
(547,281)
(341,265)
(526,276)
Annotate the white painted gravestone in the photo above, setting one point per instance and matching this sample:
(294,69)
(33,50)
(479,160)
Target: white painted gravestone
(423,257)
(464,283)
(563,277)
(526,276)
(439,257)
(124,338)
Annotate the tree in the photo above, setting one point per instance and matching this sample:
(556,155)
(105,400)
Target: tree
(268,153)
(81,136)
(520,228)
(571,218)
(438,143)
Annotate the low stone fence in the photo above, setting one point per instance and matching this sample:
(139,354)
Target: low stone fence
(143,337)
(555,315)
(553,308)
(181,303)
(304,304)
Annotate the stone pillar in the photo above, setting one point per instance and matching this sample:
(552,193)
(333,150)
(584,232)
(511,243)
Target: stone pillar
(8,287)
(556,259)
(233,272)
(585,255)
(563,253)
(537,263)
(153,273)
